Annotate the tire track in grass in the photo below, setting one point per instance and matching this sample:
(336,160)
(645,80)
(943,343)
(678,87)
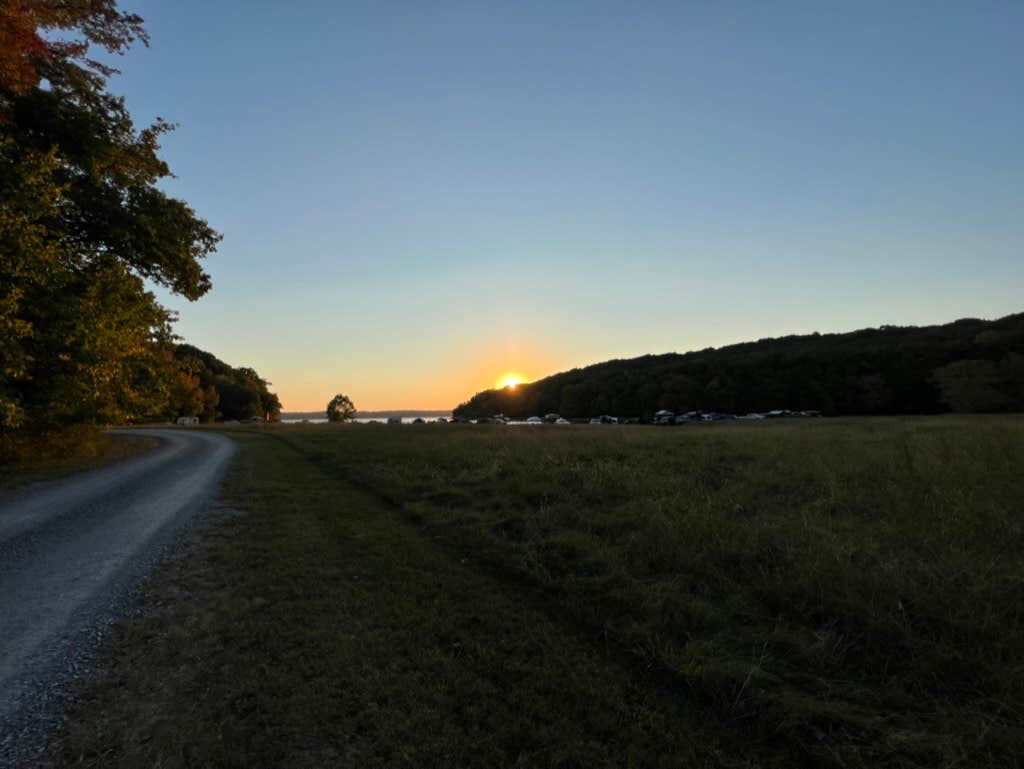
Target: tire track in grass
(783,719)
(642,665)
(319,628)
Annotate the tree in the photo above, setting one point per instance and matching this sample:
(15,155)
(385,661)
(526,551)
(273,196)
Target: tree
(82,224)
(340,409)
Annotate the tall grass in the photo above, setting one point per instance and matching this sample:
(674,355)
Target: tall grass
(29,456)
(851,590)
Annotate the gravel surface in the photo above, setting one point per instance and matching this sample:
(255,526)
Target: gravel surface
(72,553)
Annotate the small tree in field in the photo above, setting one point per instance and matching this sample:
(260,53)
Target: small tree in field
(340,409)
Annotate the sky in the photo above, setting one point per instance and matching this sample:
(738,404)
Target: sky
(418,199)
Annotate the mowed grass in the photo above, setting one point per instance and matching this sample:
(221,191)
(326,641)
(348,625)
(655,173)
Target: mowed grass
(838,593)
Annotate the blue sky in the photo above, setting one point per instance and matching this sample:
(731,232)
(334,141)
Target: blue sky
(417,200)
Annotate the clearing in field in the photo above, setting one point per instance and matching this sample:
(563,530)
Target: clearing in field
(840,593)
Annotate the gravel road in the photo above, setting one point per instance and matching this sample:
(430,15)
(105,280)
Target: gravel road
(71,554)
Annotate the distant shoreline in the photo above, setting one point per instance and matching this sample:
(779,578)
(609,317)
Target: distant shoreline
(368,414)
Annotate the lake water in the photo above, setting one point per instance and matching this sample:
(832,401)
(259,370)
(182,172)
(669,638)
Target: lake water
(366,420)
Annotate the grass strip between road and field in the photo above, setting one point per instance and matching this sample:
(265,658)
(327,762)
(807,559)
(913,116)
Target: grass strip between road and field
(34,457)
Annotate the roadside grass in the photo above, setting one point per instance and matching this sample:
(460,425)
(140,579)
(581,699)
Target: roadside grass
(844,593)
(27,458)
(320,629)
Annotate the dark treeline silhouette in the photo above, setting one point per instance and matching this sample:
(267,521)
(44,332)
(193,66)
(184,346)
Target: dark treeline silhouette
(970,365)
(207,387)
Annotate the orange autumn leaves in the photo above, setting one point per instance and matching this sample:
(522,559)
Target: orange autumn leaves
(25,48)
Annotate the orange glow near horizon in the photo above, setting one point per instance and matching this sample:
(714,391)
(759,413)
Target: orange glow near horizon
(508,380)
(416,378)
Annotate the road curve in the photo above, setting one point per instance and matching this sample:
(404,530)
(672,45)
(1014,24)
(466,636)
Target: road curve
(71,553)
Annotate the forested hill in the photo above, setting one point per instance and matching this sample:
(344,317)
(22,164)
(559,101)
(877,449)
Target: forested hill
(207,387)
(969,365)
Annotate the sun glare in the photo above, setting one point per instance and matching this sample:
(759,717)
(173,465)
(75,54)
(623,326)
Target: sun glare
(509,380)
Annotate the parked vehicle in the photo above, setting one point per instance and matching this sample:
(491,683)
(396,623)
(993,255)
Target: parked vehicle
(664,417)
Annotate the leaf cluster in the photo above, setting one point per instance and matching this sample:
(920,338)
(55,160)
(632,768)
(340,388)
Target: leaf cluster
(27,42)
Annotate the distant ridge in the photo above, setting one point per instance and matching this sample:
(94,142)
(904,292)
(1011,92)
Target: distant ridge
(968,365)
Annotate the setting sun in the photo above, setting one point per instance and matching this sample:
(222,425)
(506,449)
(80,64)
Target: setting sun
(509,380)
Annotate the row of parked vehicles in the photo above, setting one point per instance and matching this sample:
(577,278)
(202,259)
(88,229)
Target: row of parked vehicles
(663,417)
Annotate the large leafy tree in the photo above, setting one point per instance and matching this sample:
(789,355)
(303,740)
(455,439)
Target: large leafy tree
(83,223)
(340,409)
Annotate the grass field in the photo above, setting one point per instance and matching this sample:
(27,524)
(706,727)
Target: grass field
(826,593)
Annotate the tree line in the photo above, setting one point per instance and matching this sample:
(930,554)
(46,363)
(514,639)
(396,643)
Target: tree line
(204,386)
(83,227)
(970,365)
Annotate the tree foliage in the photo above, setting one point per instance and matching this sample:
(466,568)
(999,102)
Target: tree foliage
(82,225)
(209,388)
(340,409)
(27,44)
(969,365)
